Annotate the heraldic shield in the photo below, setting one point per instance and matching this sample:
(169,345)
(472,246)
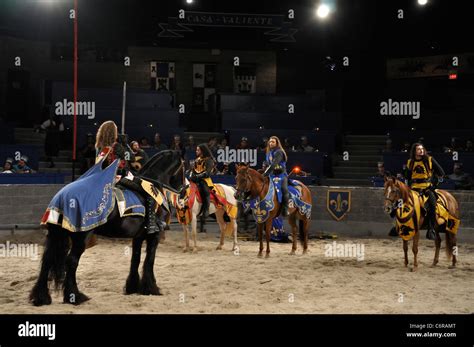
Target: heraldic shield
(338,203)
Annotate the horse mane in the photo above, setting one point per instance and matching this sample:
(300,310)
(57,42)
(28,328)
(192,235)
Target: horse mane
(256,174)
(404,189)
(154,170)
(153,160)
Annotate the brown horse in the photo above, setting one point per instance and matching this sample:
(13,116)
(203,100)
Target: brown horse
(251,184)
(398,196)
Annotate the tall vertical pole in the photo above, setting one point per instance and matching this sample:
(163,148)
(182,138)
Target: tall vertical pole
(124,99)
(74,149)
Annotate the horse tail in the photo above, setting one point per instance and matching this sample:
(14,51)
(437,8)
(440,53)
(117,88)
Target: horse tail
(56,248)
(450,243)
(301,231)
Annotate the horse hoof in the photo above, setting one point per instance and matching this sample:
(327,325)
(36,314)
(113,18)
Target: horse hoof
(40,296)
(292,253)
(305,251)
(260,255)
(185,250)
(40,300)
(267,255)
(75,298)
(451,266)
(413,269)
(434,264)
(218,248)
(195,250)
(150,291)
(131,286)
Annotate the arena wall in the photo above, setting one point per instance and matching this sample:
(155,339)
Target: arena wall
(23,206)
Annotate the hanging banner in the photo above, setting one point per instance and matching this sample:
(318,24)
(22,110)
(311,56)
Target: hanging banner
(276,25)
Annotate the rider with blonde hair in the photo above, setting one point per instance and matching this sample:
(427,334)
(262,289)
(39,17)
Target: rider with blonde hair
(113,146)
(276,161)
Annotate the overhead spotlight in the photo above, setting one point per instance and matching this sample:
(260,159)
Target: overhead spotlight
(322,11)
(189,1)
(422,2)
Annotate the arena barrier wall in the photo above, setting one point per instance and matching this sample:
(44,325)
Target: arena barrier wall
(25,204)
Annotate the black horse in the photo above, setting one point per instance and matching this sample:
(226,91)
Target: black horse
(63,248)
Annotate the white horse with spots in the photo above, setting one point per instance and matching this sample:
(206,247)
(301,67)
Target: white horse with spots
(188,208)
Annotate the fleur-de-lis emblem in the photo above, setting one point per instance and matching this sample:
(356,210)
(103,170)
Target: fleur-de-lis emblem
(260,212)
(339,204)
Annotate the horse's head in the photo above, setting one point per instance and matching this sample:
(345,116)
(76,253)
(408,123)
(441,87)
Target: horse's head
(165,167)
(243,182)
(183,197)
(392,193)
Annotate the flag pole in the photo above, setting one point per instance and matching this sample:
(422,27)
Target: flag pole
(74,142)
(124,100)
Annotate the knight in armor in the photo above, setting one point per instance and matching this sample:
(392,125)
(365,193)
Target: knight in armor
(201,175)
(423,174)
(276,159)
(113,146)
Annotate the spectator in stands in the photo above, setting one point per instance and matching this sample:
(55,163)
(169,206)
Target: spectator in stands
(224,170)
(139,155)
(469,147)
(7,167)
(177,145)
(88,153)
(461,179)
(406,147)
(454,146)
(380,170)
(287,145)
(190,144)
(212,144)
(223,144)
(388,146)
(263,145)
(21,166)
(53,127)
(157,143)
(244,143)
(144,143)
(304,145)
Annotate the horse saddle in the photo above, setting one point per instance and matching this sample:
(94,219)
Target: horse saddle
(295,190)
(128,203)
(216,193)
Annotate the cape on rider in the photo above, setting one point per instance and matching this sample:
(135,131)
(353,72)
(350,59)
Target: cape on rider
(107,145)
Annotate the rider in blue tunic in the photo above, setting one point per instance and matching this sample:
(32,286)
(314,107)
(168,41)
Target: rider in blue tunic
(276,161)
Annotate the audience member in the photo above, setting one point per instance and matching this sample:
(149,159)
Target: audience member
(157,144)
(21,166)
(461,179)
(304,145)
(144,143)
(7,167)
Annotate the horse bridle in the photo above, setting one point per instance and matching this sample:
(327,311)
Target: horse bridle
(249,184)
(394,205)
(181,166)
